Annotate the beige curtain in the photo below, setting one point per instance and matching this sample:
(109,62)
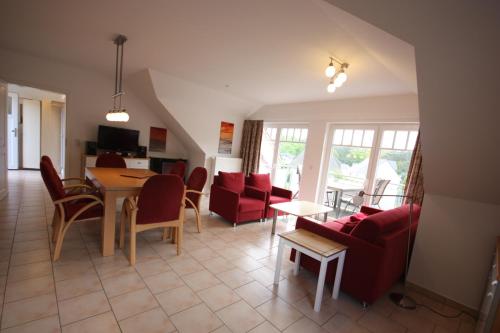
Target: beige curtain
(250,145)
(415,180)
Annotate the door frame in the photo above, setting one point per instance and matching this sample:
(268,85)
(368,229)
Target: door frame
(15,101)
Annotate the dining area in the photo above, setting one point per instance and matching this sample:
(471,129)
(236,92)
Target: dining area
(139,199)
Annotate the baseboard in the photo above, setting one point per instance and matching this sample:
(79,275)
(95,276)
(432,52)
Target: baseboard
(432,295)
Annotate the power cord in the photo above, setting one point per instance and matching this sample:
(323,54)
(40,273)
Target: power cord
(444,315)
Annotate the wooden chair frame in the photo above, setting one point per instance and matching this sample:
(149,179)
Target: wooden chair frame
(129,213)
(59,223)
(196,207)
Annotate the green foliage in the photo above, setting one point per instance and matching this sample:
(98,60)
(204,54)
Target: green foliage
(350,155)
(402,159)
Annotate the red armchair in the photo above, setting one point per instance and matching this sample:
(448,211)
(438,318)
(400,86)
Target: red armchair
(274,194)
(235,201)
(377,241)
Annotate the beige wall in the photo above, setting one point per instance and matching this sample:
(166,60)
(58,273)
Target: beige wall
(88,98)
(3,139)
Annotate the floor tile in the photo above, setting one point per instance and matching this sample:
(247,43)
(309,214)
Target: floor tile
(201,280)
(81,307)
(29,288)
(340,323)
(240,317)
(39,244)
(129,304)
(247,263)
(254,293)
(198,319)
(264,275)
(306,306)
(20,312)
(49,325)
(29,257)
(178,299)
(234,278)
(71,271)
(188,266)
(163,282)
(218,265)
(218,297)
(153,321)
(290,292)
(152,267)
(122,284)
(305,325)
(29,271)
(82,285)
(279,313)
(265,327)
(103,323)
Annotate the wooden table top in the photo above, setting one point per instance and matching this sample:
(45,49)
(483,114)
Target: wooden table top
(301,208)
(115,179)
(313,242)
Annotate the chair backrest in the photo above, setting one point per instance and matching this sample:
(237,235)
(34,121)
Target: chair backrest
(47,159)
(196,182)
(161,199)
(380,186)
(179,168)
(110,160)
(52,181)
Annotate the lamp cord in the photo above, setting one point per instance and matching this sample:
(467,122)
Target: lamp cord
(445,315)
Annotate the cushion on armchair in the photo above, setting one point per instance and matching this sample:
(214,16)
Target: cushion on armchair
(233,181)
(261,181)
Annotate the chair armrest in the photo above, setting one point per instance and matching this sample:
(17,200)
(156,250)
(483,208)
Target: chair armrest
(81,180)
(224,196)
(281,192)
(197,192)
(369,210)
(254,192)
(79,197)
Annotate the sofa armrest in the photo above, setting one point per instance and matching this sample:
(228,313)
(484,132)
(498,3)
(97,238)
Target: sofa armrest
(254,192)
(281,192)
(221,196)
(369,210)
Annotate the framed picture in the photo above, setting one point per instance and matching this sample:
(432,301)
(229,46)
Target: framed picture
(226,137)
(157,139)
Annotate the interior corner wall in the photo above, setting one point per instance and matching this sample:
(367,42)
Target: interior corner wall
(318,115)
(88,98)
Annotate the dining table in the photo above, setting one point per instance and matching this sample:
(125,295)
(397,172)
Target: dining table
(115,183)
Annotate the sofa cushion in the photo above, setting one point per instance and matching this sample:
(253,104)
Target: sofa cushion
(233,181)
(334,225)
(357,217)
(261,180)
(248,204)
(274,199)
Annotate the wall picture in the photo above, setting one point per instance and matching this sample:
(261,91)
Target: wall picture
(157,139)
(226,137)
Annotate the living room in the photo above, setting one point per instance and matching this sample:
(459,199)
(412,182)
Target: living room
(227,65)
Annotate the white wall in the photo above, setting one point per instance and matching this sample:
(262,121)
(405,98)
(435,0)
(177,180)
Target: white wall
(88,98)
(457,52)
(3,139)
(386,109)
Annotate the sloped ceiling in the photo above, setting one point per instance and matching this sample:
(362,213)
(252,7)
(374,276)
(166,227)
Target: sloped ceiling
(264,51)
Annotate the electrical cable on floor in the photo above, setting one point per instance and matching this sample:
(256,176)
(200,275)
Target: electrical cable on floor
(444,315)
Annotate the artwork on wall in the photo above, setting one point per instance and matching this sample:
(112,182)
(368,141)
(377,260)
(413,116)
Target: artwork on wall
(226,137)
(157,139)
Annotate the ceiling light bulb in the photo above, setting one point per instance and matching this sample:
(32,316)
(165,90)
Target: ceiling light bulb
(338,82)
(331,88)
(342,76)
(330,70)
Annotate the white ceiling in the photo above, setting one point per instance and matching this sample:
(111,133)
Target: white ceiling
(266,51)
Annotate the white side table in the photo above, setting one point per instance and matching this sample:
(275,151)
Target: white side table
(315,246)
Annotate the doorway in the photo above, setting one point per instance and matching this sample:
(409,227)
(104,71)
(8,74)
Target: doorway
(35,127)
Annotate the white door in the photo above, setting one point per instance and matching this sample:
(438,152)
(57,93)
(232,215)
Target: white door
(31,134)
(13,131)
(3,139)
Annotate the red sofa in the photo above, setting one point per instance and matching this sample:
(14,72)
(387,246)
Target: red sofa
(235,201)
(377,244)
(274,194)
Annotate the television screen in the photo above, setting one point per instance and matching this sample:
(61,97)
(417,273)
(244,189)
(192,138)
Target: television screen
(118,139)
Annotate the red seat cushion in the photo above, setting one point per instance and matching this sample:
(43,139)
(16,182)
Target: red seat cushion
(233,181)
(248,204)
(274,199)
(334,225)
(262,181)
(357,217)
(72,208)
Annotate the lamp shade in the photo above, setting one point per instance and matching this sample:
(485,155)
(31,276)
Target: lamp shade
(330,71)
(119,116)
(331,88)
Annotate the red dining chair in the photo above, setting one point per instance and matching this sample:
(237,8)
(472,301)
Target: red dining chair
(110,160)
(195,185)
(160,204)
(69,208)
(80,186)
(179,169)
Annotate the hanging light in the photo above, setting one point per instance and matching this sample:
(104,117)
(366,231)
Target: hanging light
(330,70)
(337,79)
(118,112)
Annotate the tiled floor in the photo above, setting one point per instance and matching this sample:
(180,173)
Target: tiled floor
(221,283)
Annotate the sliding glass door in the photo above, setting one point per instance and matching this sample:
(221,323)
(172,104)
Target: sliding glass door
(282,155)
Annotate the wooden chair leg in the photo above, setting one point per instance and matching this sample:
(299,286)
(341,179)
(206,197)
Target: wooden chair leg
(122,229)
(59,241)
(166,233)
(173,232)
(198,219)
(132,244)
(56,224)
(179,239)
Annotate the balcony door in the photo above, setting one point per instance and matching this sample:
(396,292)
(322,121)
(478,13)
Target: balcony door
(282,155)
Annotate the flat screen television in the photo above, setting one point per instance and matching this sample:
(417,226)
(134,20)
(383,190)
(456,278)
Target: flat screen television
(117,139)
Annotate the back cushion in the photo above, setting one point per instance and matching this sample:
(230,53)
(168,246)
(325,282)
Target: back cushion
(233,181)
(375,226)
(261,180)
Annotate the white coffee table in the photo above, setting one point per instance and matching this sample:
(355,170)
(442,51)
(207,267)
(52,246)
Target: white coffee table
(317,247)
(298,208)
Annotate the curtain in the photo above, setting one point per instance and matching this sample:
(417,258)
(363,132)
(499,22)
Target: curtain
(415,179)
(250,145)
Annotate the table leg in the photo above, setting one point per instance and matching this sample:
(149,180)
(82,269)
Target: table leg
(275,218)
(325,217)
(321,285)
(108,225)
(297,263)
(278,262)
(338,275)
(338,201)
